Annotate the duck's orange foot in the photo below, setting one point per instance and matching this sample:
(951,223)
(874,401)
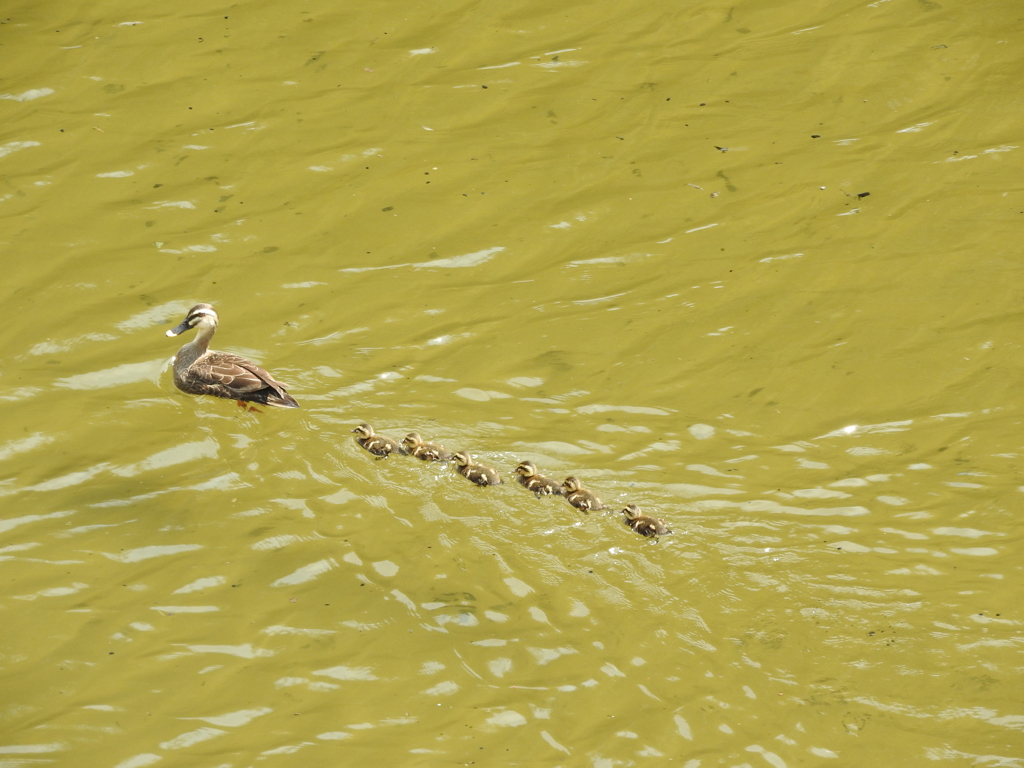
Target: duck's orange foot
(247,406)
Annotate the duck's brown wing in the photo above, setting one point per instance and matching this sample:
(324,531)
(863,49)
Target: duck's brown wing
(233,376)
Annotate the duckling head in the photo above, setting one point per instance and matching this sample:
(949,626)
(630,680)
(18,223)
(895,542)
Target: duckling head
(364,430)
(412,440)
(200,314)
(462,458)
(572,483)
(632,512)
(526,469)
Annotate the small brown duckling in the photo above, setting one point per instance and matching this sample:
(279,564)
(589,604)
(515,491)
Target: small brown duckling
(478,473)
(527,476)
(579,496)
(415,446)
(379,445)
(643,524)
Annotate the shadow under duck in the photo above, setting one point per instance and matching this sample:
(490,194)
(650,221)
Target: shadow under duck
(416,446)
(199,370)
(477,473)
(580,497)
(380,446)
(645,525)
(527,476)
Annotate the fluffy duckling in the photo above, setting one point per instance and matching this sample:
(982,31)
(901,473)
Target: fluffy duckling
(579,496)
(200,370)
(478,473)
(379,445)
(527,476)
(415,446)
(643,524)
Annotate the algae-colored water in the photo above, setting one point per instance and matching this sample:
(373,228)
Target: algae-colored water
(753,267)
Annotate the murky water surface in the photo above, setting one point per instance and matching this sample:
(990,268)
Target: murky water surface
(752,267)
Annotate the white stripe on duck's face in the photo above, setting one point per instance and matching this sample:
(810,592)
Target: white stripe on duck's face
(199,314)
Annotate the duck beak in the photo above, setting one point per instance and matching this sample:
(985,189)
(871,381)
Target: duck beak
(179,329)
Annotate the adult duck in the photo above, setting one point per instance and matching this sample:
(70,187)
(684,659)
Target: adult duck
(199,370)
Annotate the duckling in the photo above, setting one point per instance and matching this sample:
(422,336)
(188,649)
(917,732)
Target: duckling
(643,524)
(199,370)
(415,446)
(379,445)
(528,478)
(478,473)
(579,496)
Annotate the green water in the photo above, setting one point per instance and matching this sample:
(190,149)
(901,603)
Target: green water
(751,267)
